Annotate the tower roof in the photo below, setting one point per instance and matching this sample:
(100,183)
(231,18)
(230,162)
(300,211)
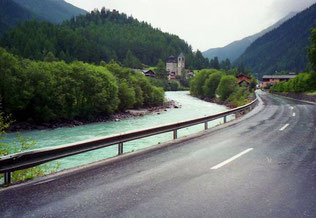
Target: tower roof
(181,55)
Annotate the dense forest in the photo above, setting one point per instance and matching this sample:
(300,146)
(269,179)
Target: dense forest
(51,91)
(282,49)
(304,82)
(99,36)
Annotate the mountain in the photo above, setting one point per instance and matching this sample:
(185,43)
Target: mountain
(54,11)
(282,49)
(235,49)
(11,14)
(99,36)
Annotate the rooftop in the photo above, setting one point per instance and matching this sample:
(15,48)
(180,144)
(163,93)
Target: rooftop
(279,76)
(171,59)
(181,55)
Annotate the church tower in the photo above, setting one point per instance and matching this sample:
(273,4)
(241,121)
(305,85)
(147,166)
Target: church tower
(181,64)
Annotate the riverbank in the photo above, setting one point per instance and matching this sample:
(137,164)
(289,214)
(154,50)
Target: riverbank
(228,104)
(28,126)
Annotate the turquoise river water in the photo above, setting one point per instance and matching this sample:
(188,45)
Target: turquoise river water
(190,108)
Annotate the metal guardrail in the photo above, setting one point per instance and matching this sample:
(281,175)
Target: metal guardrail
(24,160)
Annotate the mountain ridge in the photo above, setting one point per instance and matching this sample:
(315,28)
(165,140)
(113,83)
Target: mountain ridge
(233,50)
(282,49)
(14,12)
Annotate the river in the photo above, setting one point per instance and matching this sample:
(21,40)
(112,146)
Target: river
(190,108)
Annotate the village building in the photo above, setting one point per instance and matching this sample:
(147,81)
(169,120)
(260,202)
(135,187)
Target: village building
(272,79)
(175,66)
(149,73)
(189,74)
(243,79)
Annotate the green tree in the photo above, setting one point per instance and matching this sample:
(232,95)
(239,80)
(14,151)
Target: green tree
(126,96)
(50,57)
(161,72)
(312,49)
(227,86)
(197,83)
(211,84)
(253,83)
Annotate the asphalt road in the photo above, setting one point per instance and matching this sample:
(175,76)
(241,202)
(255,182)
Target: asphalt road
(262,166)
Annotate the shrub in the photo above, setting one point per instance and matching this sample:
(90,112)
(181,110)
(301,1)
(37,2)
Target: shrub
(227,86)
(211,84)
(239,97)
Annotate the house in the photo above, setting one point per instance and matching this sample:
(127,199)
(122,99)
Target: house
(175,66)
(271,79)
(149,73)
(243,79)
(189,75)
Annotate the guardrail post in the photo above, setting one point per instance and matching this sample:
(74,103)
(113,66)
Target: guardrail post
(120,148)
(205,125)
(225,119)
(175,134)
(7,178)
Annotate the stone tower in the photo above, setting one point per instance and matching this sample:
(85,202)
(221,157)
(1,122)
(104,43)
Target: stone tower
(181,64)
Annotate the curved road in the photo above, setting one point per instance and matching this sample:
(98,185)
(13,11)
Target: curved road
(261,166)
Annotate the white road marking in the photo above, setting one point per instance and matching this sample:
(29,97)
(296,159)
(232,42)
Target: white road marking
(284,127)
(291,108)
(294,114)
(231,159)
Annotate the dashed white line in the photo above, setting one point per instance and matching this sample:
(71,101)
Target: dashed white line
(284,127)
(231,159)
(294,114)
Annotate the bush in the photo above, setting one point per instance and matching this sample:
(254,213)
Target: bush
(22,144)
(227,86)
(126,96)
(211,84)
(197,83)
(53,91)
(239,97)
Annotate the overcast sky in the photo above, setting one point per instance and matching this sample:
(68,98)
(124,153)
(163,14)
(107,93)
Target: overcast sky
(203,24)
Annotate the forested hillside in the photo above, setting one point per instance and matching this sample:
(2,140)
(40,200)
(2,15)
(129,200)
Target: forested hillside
(55,11)
(99,36)
(237,48)
(283,49)
(11,14)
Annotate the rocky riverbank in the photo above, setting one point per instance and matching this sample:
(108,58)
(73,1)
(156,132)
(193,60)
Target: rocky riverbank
(27,126)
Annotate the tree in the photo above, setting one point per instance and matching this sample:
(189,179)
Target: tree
(211,84)
(227,86)
(50,57)
(312,60)
(161,72)
(197,83)
(312,49)
(131,61)
(253,83)
(216,63)
(241,69)
(126,96)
